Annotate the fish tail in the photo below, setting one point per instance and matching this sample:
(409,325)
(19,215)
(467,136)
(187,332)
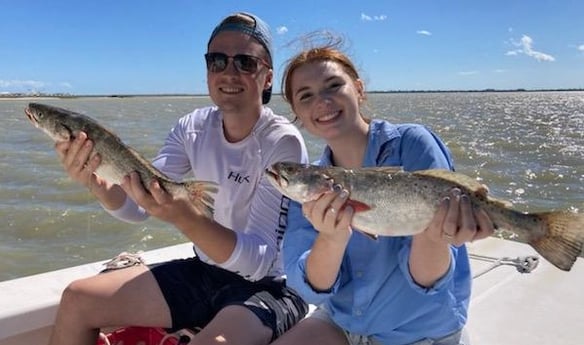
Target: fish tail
(563,240)
(201,194)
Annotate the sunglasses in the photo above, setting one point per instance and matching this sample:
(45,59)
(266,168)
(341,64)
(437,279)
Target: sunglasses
(217,62)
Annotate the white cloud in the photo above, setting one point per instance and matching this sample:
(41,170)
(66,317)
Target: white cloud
(581,48)
(525,47)
(33,86)
(468,72)
(500,70)
(368,18)
(365,17)
(280,30)
(26,84)
(424,32)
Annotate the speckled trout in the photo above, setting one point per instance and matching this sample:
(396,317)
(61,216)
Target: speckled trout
(391,202)
(117,158)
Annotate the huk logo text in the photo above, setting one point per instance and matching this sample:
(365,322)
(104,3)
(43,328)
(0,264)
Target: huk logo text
(237,177)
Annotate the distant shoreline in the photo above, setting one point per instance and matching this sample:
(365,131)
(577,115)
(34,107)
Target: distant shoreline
(49,96)
(68,96)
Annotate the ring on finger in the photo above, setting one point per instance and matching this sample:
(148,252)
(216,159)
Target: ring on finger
(447,235)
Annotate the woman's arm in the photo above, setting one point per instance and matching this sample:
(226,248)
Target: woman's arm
(454,223)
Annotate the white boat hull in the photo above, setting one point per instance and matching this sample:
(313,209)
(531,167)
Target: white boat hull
(507,307)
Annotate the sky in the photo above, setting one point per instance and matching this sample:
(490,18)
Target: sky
(105,47)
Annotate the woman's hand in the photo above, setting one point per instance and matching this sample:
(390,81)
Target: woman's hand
(454,223)
(329,215)
(457,223)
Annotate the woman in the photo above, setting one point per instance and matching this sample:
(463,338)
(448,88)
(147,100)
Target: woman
(237,273)
(393,290)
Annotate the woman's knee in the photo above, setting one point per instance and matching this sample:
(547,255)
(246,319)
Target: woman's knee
(313,331)
(247,330)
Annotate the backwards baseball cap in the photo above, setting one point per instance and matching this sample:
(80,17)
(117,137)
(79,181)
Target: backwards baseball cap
(254,27)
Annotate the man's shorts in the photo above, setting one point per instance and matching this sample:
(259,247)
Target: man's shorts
(196,291)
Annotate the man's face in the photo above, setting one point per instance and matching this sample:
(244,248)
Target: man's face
(235,88)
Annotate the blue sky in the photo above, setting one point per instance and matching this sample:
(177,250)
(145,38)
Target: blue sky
(144,47)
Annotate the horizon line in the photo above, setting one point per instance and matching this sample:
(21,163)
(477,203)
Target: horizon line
(69,95)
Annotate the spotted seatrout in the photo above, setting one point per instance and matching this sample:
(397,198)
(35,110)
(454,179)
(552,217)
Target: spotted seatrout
(117,159)
(392,202)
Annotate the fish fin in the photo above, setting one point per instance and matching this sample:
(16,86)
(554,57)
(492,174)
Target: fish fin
(501,202)
(564,239)
(457,179)
(358,206)
(201,194)
(386,169)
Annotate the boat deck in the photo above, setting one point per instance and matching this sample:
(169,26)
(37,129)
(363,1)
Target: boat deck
(543,307)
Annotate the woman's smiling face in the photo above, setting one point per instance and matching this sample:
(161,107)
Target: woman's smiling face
(325,98)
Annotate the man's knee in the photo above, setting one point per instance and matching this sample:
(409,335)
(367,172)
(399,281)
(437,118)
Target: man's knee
(77,297)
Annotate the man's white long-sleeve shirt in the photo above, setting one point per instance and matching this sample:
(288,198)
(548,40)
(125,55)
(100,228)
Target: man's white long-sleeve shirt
(246,202)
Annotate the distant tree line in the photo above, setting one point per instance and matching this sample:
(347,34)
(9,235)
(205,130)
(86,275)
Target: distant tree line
(67,95)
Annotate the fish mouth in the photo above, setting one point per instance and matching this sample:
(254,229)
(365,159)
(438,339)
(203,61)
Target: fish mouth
(274,176)
(31,116)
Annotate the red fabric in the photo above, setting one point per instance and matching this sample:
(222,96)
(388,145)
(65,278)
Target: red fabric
(138,336)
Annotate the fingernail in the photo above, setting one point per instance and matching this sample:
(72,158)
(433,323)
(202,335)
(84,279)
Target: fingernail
(464,198)
(344,194)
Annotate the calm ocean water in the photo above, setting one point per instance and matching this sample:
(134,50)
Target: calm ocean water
(527,147)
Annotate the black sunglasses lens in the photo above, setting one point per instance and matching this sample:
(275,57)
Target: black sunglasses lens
(216,62)
(245,63)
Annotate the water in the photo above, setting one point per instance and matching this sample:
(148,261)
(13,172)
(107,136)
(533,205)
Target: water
(527,147)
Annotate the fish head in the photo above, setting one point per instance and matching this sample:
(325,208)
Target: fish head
(299,182)
(57,123)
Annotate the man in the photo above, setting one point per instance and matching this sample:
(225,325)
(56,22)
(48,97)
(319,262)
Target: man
(237,272)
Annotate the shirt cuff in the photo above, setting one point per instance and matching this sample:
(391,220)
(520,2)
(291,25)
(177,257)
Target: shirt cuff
(438,286)
(321,293)
(129,212)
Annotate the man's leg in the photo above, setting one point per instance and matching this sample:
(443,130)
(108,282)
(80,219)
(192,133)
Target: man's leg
(234,324)
(128,296)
